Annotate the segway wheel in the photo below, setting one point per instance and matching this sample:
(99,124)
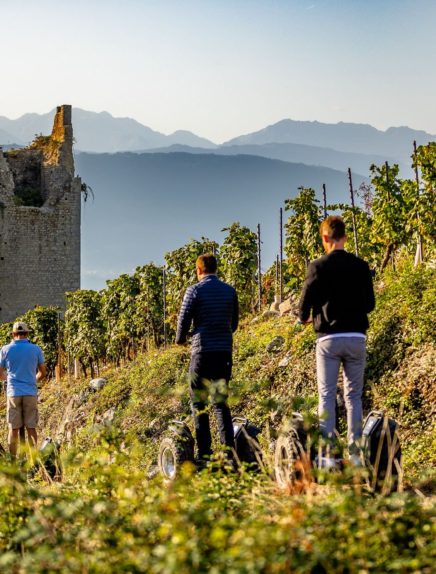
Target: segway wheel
(173,452)
(292,468)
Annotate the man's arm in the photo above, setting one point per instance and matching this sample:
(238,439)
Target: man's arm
(308,294)
(42,372)
(185,316)
(369,290)
(3,371)
(235,312)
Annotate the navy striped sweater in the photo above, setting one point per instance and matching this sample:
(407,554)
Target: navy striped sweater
(211,306)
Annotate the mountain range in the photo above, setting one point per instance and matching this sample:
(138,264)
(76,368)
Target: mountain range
(153,192)
(314,143)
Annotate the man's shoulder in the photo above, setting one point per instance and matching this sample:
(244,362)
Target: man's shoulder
(341,257)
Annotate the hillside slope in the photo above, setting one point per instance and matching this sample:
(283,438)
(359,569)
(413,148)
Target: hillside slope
(107,516)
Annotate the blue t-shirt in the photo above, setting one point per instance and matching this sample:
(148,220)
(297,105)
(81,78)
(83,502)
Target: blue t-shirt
(21,359)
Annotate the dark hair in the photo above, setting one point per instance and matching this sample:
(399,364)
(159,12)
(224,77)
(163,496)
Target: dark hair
(207,263)
(334,227)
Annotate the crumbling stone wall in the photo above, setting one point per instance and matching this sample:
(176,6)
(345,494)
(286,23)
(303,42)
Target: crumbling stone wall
(40,201)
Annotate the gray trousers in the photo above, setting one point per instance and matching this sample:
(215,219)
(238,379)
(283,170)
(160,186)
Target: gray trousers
(330,354)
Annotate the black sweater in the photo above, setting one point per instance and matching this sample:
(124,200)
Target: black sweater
(338,291)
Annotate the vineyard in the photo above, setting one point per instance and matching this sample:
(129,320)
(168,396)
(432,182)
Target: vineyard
(111,513)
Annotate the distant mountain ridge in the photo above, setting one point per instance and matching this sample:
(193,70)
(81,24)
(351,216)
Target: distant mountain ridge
(103,133)
(293,153)
(347,137)
(99,132)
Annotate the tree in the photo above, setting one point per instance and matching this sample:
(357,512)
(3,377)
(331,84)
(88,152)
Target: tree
(119,311)
(149,307)
(390,210)
(302,243)
(84,328)
(424,212)
(238,256)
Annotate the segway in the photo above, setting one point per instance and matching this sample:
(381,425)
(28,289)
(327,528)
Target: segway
(177,446)
(49,459)
(296,457)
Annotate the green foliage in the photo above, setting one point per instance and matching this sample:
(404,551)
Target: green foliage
(84,328)
(302,242)
(46,331)
(149,303)
(181,273)
(114,520)
(390,209)
(238,255)
(5,333)
(119,313)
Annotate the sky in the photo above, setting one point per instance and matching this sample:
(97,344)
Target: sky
(221,68)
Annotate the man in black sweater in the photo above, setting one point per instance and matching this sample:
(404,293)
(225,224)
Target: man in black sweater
(338,293)
(211,306)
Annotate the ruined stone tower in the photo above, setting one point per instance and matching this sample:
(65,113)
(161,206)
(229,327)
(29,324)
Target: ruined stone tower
(39,221)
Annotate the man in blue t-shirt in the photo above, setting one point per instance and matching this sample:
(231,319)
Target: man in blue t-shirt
(22,365)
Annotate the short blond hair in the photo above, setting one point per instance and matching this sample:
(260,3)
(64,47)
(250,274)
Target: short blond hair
(333,227)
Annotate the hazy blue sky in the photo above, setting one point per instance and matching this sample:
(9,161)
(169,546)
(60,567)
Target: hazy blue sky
(223,67)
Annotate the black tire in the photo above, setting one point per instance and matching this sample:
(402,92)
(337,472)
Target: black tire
(247,445)
(292,468)
(382,453)
(173,452)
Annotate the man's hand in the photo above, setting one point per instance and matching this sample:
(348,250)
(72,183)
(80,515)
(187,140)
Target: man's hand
(3,374)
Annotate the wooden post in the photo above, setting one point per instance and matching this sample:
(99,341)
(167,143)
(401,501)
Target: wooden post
(324,199)
(259,269)
(419,257)
(76,369)
(58,366)
(280,293)
(356,246)
(277,289)
(389,199)
(164,298)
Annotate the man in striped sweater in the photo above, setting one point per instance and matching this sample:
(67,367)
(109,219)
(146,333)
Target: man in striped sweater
(211,307)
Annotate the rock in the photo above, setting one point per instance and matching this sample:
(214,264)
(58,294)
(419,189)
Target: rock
(97,384)
(275,345)
(108,416)
(276,305)
(285,307)
(285,361)
(269,313)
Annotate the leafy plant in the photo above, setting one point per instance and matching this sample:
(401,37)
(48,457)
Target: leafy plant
(238,255)
(302,243)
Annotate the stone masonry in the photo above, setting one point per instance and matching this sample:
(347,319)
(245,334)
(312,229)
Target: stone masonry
(40,201)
